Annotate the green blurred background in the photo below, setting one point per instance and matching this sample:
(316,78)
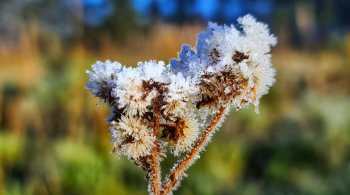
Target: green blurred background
(53,133)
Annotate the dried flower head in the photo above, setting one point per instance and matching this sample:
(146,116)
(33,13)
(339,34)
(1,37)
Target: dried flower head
(186,133)
(132,138)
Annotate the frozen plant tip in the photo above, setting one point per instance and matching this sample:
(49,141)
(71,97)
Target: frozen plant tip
(175,108)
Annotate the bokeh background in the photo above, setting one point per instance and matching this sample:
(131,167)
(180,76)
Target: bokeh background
(53,133)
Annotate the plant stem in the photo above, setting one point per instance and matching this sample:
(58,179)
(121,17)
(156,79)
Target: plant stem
(154,174)
(178,171)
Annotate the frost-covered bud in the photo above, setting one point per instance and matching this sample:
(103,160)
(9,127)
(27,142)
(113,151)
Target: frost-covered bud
(237,64)
(130,93)
(132,138)
(220,88)
(180,94)
(102,79)
(219,46)
(137,87)
(181,134)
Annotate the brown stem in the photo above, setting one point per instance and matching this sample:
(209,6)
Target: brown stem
(178,171)
(154,173)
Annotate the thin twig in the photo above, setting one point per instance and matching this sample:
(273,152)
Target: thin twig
(178,171)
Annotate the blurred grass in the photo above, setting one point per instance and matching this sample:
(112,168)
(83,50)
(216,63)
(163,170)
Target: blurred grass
(54,139)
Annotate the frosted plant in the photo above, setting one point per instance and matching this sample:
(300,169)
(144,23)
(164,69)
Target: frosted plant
(175,109)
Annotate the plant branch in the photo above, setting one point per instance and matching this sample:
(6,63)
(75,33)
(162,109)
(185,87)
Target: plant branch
(178,171)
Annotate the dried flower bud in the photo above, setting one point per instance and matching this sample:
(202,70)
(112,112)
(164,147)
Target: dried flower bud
(102,79)
(132,138)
